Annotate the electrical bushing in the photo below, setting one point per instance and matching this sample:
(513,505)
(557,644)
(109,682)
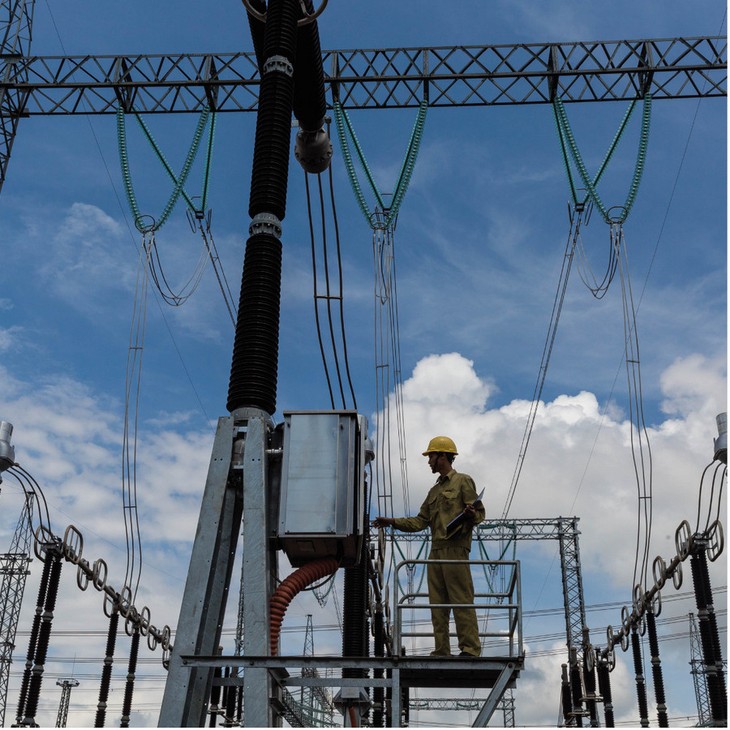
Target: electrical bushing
(257,28)
(280,35)
(720,442)
(313,148)
(269,176)
(270,169)
(7,450)
(256,345)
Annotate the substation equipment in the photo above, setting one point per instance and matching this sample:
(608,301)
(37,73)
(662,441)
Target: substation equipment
(298,486)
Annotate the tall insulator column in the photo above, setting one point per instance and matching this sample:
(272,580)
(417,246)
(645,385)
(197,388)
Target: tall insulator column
(44,637)
(656,670)
(33,642)
(576,688)
(711,646)
(640,682)
(604,687)
(567,697)
(254,364)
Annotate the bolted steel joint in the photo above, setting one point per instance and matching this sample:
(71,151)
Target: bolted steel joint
(265,223)
(278,64)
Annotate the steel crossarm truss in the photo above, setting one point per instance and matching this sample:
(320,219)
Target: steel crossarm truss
(16,19)
(382,78)
(565,531)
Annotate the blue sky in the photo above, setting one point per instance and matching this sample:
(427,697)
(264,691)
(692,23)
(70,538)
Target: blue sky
(479,244)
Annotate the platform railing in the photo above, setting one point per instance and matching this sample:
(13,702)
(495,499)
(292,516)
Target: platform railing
(499,611)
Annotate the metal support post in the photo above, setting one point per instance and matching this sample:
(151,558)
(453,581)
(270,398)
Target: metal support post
(495,696)
(258,578)
(201,613)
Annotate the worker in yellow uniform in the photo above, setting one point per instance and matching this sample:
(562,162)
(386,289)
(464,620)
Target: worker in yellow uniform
(453,494)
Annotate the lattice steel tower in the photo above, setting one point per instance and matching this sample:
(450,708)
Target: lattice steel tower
(699,674)
(66,686)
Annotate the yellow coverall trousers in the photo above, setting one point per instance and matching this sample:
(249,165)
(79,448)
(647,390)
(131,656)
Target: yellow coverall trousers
(452,584)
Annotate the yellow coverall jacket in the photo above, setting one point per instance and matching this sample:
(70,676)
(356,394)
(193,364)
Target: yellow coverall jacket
(450,584)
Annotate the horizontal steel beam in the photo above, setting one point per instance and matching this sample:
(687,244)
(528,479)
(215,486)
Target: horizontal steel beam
(381,78)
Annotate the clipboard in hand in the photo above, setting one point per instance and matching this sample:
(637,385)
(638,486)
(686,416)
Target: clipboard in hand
(453,526)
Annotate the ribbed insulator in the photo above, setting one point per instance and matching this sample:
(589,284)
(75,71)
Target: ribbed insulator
(604,687)
(310,105)
(656,671)
(33,641)
(256,346)
(44,637)
(355,636)
(106,672)
(379,650)
(567,702)
(589,682)
(353,620)
(704,575)
(280,37)
(640,682)
(577,693)
(270,169)
(129,686)
(709,636)
(257,28)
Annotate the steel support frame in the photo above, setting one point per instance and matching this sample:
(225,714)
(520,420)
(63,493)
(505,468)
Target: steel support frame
(237,475)
(485,714)
(699,675)
(259,568)
(276,668)
(184,702)
(525,73)
(565,531)
(573,598)
(14,569)
(16,21)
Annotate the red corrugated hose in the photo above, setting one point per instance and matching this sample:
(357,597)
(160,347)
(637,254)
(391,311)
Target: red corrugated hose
(289,587)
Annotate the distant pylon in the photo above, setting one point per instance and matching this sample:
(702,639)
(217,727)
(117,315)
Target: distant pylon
(66,685)
(13,572)
(699,676)
(316,702)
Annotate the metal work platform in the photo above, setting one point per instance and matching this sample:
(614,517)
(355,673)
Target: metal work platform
(498,609)
(493,673)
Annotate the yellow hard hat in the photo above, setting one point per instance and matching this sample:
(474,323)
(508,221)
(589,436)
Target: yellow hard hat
(440,445)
